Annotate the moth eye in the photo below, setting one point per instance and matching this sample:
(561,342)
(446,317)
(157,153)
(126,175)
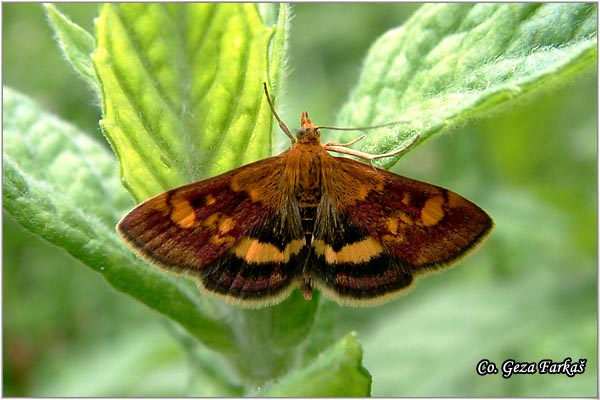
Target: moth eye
(300,133)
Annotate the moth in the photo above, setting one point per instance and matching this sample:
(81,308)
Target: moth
(306,219)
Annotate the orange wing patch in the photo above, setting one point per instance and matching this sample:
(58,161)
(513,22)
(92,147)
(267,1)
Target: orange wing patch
(432,211)
(182,212)
(357,252)
(254,252)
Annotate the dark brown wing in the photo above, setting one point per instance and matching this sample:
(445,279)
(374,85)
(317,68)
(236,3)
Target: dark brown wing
(237,233)
(376,231)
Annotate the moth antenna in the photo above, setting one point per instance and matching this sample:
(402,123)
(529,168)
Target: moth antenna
(362,128)
(282,125)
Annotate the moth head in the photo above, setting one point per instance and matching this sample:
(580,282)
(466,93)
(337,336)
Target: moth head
(307,131)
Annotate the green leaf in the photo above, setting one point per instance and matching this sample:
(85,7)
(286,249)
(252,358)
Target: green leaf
(336,373)
(75,42)
(453,62)
(63,186)
(182,89)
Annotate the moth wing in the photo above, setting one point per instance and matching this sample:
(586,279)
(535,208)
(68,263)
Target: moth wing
(376,231)
(235,232)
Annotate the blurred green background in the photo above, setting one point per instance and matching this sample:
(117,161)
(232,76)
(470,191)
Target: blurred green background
(528,294)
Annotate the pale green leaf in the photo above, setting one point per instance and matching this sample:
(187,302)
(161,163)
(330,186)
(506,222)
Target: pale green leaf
(75,42)
(182,89)
(452,62)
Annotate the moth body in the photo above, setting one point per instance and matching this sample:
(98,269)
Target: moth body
(304,219)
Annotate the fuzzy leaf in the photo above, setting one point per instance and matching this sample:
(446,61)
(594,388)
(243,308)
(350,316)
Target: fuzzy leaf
(452,62)
(75,42)
(182,89)
(61,185)
(336,373)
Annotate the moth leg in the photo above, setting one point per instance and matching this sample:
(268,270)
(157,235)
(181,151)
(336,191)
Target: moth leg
(361,137)
(367,156)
